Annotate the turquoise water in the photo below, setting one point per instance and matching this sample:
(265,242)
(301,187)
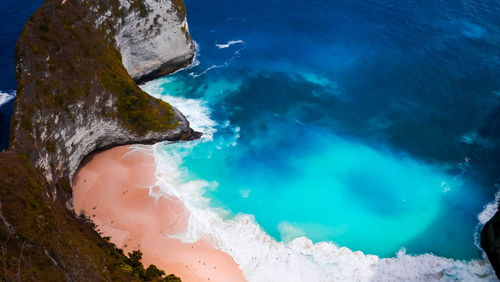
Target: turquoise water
(357,125)
(299,179)
(339,191)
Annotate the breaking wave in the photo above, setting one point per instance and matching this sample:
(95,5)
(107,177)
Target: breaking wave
(229,43)
(261,257)
(6,96)
(236,54)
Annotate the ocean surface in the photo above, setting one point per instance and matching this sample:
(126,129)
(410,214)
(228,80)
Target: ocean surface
(13,15)
(366,125)
(342,139)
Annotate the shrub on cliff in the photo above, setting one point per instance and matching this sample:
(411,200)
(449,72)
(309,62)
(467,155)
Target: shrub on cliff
(134,266)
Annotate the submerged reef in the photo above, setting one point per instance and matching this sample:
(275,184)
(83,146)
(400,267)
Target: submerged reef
(77,64)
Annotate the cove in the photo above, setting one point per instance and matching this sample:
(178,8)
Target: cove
(341,123)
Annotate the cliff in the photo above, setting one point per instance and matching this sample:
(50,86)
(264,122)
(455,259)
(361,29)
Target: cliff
(154,41)
(490,242)
(487,160)
(76,61)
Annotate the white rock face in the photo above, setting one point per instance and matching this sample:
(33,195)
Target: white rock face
(151,44)
(87,133)
(154,44)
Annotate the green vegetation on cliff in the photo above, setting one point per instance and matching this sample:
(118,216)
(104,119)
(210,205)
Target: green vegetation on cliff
(139,111)
(41,239)
(138,5)
(72,59)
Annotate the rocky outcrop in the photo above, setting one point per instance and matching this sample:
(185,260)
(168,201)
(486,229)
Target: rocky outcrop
(76,95)
(155,39)
(79,139)
(487,159)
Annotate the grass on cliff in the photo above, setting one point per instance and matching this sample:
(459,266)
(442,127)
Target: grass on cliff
(140,6)
(67,69)
(180,8)
(71,62)
(47,242)
(139,111)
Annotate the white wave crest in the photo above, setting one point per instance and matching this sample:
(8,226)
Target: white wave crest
(236,55)
(264,259)
(195,75)
(489,210)
(483,217)
(229,43)
(196,59)
(195,110)
(6,97)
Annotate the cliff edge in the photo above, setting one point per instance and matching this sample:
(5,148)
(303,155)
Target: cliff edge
(76,62)
(486,160)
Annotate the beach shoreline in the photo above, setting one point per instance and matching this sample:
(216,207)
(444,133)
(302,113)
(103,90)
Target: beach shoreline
(113,188)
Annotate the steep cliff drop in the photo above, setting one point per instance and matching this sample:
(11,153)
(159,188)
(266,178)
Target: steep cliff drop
(490,242)
(487,159)
(76,62)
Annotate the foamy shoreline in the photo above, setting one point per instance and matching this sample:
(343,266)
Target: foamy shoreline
(260,256)
(171,224)
(115,189)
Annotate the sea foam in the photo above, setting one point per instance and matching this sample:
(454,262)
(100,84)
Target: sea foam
(195,110)
(489,210)
(261,257)
(236,54)
(229,43)
(6,97)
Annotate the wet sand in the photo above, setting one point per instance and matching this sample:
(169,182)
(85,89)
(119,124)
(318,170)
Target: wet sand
(113,188)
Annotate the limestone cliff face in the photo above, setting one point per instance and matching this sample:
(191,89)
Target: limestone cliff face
(87,133)
(74,61)
(154,40)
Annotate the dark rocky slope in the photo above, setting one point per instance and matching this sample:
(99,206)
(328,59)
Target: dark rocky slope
(487,159)
(76,96)
(490,242)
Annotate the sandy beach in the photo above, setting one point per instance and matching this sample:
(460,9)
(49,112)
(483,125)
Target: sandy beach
(113,189)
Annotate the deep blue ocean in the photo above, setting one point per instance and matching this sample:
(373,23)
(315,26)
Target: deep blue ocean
(373,124)
(13,15)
